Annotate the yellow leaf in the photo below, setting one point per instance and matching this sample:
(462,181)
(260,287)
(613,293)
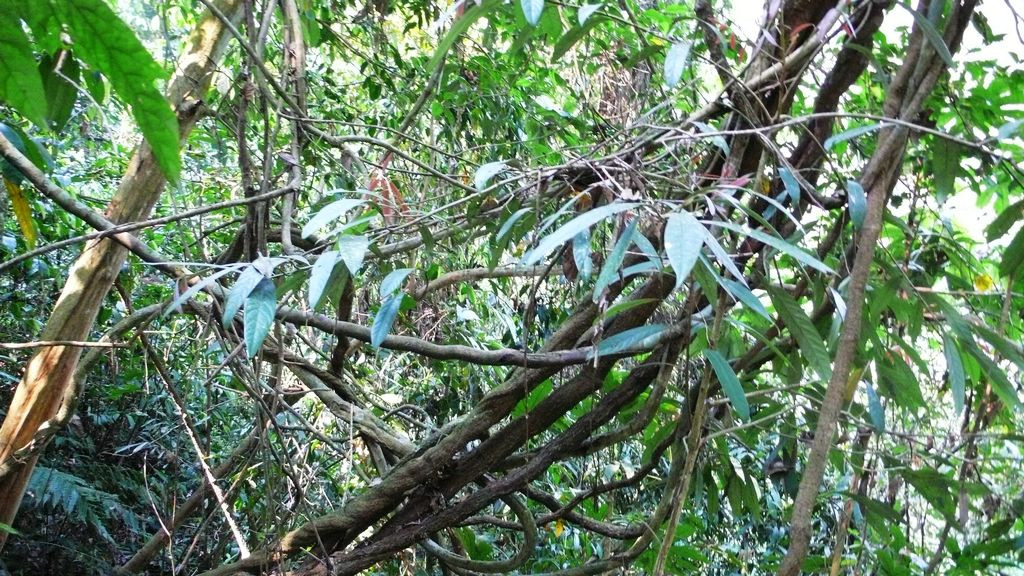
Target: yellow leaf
(983,283)
(559,528)
(22,212)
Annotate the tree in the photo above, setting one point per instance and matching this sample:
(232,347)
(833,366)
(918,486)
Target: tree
(530,288)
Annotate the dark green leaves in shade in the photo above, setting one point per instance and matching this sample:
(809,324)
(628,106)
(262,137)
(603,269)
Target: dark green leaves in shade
(613,263)
(945,167)
(856,203)
(574,35)
(675,62)
(20,84)
(60,87)
(247,280)
(572,228)
(684,237)
(935,488)
(955,372)
(1005,220)
(634,339)
(1013,255)
(806,335)
(730,383)
(532,10)
(259,315)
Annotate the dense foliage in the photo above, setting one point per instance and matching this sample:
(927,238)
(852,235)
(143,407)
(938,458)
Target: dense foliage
(511,287)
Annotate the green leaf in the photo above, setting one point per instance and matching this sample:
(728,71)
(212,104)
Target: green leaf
(353,250)
(933,35)
(60,86)
(245,283)
(1013,255)
(194,289)
(946,167)
(722,256)
(570,38)
(393,281)
(875,409)
(586,11)
(634,339)
(104,42)
(955,371)
(744,295)
(790,184)
(385,318)
(935,488)
(581,254)
(675,62)
(506,227)
(684,238)
(777,243)
(487,171)
(856,203)
(328,214)
(532,10)
(610,270)
(459,27)
(803,331)
(572,228)
(849,134)
(730,383)
(1005,220)
(897,379)
(319,274)
(259,315)
(20,84)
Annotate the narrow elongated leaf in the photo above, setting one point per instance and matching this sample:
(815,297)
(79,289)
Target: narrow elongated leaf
(506,227)
(777,243)
(849,134)
(393,281)
(791,185)
(722,256)
(328,214)
(803,331)
(532,10)
(744,295)
(946,167)
(22,212)
(175,306)
(572,228)
(933,35)
(634,339)
(610,271)
(684,238)
(1005,220)
(245,283)
(319,275)
(385,318)
(955,372)
(259,315)
(730,383)
(487,171)
(1006,349)
(61,87)
(353,250)
(570,38)
(20,84)
(675,62)
(856,202)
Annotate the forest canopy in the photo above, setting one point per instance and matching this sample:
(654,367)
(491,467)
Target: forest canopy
(511,287)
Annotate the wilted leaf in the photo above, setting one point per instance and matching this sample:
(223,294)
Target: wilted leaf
(22,212)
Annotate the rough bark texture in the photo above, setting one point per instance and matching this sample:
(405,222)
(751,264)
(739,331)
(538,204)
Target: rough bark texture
(49,375)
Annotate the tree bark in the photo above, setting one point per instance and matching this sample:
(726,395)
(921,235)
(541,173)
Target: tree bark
(49,375)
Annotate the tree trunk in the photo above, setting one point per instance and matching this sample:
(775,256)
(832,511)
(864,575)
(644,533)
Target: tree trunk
(49,375)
